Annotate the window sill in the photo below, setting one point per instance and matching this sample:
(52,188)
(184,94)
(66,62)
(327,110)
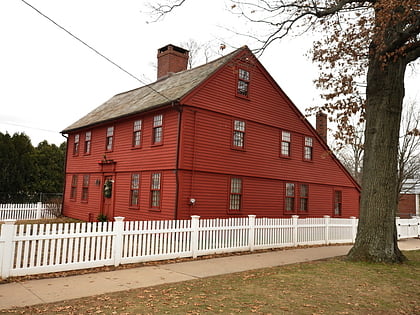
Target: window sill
(244,97)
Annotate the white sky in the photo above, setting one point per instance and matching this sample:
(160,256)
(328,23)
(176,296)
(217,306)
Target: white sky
(48,80)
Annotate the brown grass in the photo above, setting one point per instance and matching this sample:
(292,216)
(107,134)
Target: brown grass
(332,286)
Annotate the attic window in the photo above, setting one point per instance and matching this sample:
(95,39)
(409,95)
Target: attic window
(243,83)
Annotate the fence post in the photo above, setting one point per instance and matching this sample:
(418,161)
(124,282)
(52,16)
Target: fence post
(295,229)
(7,252)
(327,229)
(418,225)
(398,225)
(195,220)
(353,229)
(38,210)
(118,244)
(251,231)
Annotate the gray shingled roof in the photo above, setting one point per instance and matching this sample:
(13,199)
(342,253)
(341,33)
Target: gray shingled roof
(159,93)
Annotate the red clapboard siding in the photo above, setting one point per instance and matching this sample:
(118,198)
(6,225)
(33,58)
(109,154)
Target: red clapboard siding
(198,160)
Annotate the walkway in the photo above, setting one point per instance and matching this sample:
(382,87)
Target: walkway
(33,292)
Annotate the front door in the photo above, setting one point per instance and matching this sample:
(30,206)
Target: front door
(108,197)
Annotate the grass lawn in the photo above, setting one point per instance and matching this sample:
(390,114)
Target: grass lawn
(323,287)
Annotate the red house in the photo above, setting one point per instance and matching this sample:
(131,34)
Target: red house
(218,140)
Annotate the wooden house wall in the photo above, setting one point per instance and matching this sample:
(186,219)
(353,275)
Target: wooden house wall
(260,196)
(126,160)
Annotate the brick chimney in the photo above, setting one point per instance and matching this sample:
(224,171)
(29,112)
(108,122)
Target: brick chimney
(171,59)
(321,125)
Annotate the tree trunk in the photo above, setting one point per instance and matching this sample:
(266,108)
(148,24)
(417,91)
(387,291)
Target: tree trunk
(376,239)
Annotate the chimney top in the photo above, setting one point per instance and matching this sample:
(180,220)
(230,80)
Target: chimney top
(171,59)
(321,125)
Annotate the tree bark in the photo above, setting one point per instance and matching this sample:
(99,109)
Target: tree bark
(376,239)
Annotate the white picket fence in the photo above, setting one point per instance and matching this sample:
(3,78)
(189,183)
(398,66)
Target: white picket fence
(29,211)
(43,248)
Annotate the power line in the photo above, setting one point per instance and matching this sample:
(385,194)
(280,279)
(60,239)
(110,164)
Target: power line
(25,126)
(93,49)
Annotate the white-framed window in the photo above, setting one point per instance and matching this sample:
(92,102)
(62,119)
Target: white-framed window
(88,139)
(235,198)
(308,149)
(137,126)
(290,197)
(157,129)
(76,144)
(85,187)
(338,202)
(238,140)
(286,139)
(109,138)
(155,190)
(134,190)
(304,197)
(243,83)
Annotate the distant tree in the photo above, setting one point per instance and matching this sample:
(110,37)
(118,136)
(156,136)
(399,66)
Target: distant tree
(48,176)
(16,167)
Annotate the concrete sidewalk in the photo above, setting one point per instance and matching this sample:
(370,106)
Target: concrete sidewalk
(33,292)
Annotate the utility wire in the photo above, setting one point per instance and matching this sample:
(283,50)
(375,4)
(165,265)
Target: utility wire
(96,51)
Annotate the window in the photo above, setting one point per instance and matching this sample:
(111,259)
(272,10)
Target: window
(304,196)
(73,189)
(134,190)
(157,129)
(285,143)
(243,82)
(235,200)
(238,134)
(88,136)
(155,190)
(290,197)
(137,133)
(338,202)
(85,187)
(109,138)
(76,144)
(307,153)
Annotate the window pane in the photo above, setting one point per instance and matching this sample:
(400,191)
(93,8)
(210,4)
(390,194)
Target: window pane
(157,134)
(135,180)
(303,204)
(290,204)
(308,141)
(235,202)
(156,181)
(134,197)
(308,153)
(290,190)
(86,180)
(242,87)
(137,125)
(157,120)
(155,198)
(110,131)
(243,75)
(236,185)
(285,136)
(285,148)
(88,135)
(238,139)
(304,190)
(239,125)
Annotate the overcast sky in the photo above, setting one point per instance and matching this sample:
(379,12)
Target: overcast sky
(48,80)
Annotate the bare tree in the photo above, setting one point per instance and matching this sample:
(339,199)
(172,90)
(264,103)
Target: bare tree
(198,52)
(409,148)
(379,38)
